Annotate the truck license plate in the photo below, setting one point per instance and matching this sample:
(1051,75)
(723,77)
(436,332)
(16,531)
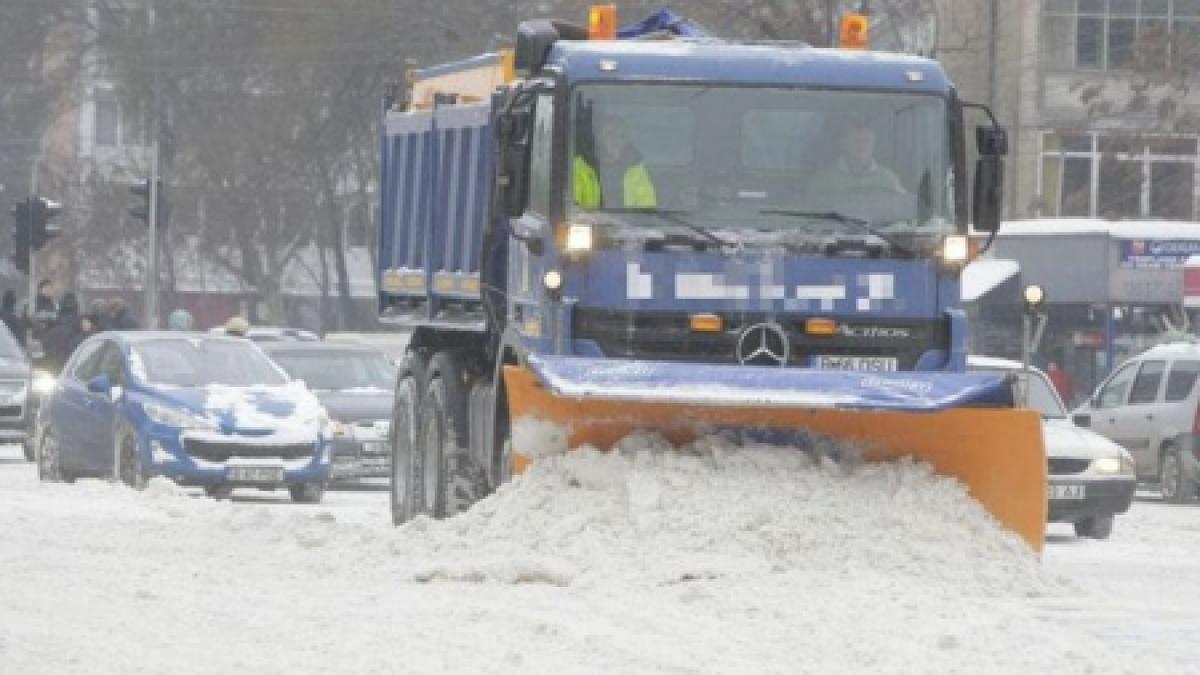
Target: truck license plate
(254,474)
(868,363)
(1066,491)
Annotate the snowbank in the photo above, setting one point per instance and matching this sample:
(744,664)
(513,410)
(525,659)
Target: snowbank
(715,558)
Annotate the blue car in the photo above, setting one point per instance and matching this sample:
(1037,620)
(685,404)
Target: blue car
(199,409)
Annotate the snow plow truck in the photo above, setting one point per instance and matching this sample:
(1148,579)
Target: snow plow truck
(608,229)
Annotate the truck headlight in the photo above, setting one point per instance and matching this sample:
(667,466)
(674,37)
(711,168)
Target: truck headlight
(170,417)
(1111,466)
(579,238)
(956,249)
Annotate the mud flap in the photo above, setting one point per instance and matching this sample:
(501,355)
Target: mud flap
(954,422)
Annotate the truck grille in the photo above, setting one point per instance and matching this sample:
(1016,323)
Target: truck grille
(1063,466)
(219,452)
(667,336)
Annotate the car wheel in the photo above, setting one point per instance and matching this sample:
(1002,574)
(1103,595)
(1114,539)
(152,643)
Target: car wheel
(404,442)
(307,493)
(49,460)
(219,491)
(1177,487)
(129,465)
(1096,527)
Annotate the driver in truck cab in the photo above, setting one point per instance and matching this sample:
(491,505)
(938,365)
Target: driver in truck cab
(612,174)
(856,170)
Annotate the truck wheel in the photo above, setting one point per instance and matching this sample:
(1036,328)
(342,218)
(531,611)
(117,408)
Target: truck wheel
(1096,527)
(1177,487)
(404,439)
(404,445)
(450,481)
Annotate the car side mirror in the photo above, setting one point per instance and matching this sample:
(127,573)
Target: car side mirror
(1082,420)
(100,384)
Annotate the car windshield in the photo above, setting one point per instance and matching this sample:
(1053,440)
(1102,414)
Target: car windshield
(793,160)
(200,362)
(1041,394)
(338,369)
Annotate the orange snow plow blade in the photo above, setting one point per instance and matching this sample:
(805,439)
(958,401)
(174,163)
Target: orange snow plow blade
(997,453)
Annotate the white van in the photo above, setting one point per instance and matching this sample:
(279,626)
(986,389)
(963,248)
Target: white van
(1151,405)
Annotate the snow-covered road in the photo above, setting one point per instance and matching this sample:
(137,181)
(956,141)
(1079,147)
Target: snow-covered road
(600,564)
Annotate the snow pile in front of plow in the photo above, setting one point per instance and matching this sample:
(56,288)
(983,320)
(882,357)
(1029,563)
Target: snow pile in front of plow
(713,558)
(649,512)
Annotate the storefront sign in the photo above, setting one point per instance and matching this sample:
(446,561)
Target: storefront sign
(1191,283)
(1158,253)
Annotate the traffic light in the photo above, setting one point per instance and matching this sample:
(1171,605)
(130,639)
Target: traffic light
(21,248)
(32,228)
(41,229)
(141,208)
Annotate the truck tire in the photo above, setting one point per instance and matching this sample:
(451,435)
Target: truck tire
(1096,527)
(449,481)
(1177,487)
(403,437)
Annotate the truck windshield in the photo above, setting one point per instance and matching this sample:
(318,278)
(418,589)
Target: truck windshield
(793,160)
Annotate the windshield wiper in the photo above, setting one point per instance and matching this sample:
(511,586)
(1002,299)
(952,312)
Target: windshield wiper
(674,216)
(843,219)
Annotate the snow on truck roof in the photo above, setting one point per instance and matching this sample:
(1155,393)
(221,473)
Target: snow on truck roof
(1116,229)
(714,61)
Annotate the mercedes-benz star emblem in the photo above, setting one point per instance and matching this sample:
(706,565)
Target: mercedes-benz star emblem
(763,344)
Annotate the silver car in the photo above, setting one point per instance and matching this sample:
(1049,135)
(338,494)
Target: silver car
(1090,479)
(1151,406)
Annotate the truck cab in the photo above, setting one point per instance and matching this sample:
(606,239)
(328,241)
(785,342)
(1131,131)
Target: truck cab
(731,203)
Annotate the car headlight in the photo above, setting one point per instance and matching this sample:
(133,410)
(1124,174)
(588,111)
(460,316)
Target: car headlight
(337,428)
(170,417)
(43,383)
(1111,466)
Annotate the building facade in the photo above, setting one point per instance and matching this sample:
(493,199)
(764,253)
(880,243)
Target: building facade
(1098,95)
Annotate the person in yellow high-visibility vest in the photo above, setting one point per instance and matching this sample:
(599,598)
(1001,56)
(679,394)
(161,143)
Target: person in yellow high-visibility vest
(616,177)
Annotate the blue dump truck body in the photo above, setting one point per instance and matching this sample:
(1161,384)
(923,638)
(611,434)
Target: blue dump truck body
(692,228)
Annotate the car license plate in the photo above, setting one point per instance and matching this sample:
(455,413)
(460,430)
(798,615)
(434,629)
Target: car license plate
(867,363)
(254,474)
(375,448)
(1066,491)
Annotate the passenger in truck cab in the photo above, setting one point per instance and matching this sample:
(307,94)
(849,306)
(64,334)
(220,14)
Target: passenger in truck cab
(610,173)
(856,169)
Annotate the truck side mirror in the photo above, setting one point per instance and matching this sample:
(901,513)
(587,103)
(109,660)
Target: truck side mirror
(513,182)
(988,199)
(991,141)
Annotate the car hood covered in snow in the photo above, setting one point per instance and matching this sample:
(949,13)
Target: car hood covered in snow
(262,410)
(1064,439)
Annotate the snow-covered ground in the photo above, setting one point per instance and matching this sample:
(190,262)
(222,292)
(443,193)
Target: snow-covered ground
(722,560)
